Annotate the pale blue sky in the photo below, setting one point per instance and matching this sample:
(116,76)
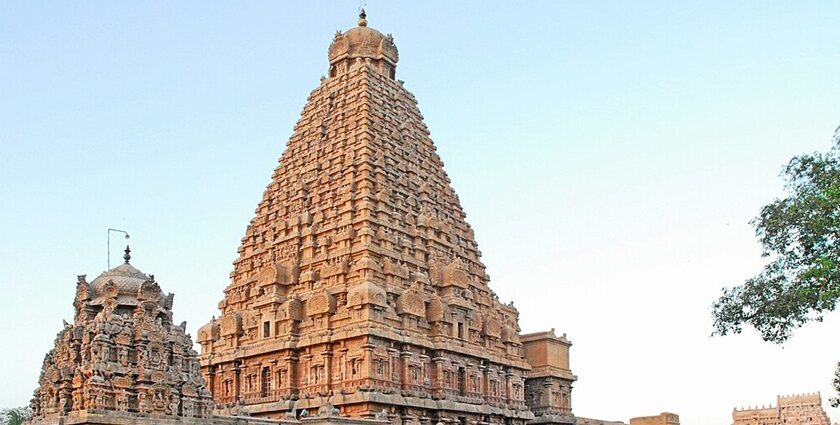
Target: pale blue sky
(608,154)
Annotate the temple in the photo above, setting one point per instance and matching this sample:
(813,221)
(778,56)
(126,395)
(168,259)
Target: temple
(358,298)
(122,357)
(799,409)
(359,283)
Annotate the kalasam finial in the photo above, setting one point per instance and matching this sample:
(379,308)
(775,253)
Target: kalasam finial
(362,18)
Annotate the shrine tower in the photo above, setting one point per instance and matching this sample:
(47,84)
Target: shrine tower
(122,360)
(359,283)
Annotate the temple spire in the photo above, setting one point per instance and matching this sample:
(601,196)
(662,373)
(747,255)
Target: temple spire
(127,255)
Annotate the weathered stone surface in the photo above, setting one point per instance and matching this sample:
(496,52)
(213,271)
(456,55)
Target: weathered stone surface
(548,389)
(121,354)
(360,281)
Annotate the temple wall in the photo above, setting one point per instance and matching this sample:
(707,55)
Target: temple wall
(663,418)
(116,418)
(801,409)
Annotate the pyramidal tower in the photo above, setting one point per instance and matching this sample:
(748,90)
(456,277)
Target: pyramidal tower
(359,287)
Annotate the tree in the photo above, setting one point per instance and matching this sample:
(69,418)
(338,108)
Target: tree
(800,236)
(14,416)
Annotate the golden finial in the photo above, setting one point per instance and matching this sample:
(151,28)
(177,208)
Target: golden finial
(362,20)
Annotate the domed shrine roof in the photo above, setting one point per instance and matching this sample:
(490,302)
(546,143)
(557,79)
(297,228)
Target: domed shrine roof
(126,278)
(363,42)
(124,282)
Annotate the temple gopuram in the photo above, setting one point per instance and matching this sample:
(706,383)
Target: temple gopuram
(359,283)
(798,409)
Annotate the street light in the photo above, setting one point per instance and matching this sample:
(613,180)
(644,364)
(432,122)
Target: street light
(109,243)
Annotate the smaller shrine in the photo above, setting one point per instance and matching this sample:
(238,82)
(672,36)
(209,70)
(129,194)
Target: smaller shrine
(121,355)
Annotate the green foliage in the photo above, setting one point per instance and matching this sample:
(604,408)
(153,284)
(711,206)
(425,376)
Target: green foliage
(801,236)
(14,416)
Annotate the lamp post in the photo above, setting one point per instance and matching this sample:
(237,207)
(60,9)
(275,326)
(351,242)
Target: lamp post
(109,243)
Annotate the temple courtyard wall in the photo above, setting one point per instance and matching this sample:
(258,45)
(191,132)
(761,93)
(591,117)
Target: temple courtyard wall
(114,418)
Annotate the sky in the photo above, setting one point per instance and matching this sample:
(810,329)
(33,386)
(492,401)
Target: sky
(609,156)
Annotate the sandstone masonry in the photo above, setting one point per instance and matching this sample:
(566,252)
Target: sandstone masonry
(800,409)
(359,282)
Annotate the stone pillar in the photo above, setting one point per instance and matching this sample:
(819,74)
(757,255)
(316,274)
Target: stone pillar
(274,389)
(306,370)
(327,355)
(485,381)
(569,397)
(392,361)
(211,380)
(236,381)
(367,365)
(291,366)
(508,384)
(549,394)
(438,379)
(424,366)
(342,366)
(405,358)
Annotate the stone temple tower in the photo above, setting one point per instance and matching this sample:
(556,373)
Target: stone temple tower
(359,283)
(122,360)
